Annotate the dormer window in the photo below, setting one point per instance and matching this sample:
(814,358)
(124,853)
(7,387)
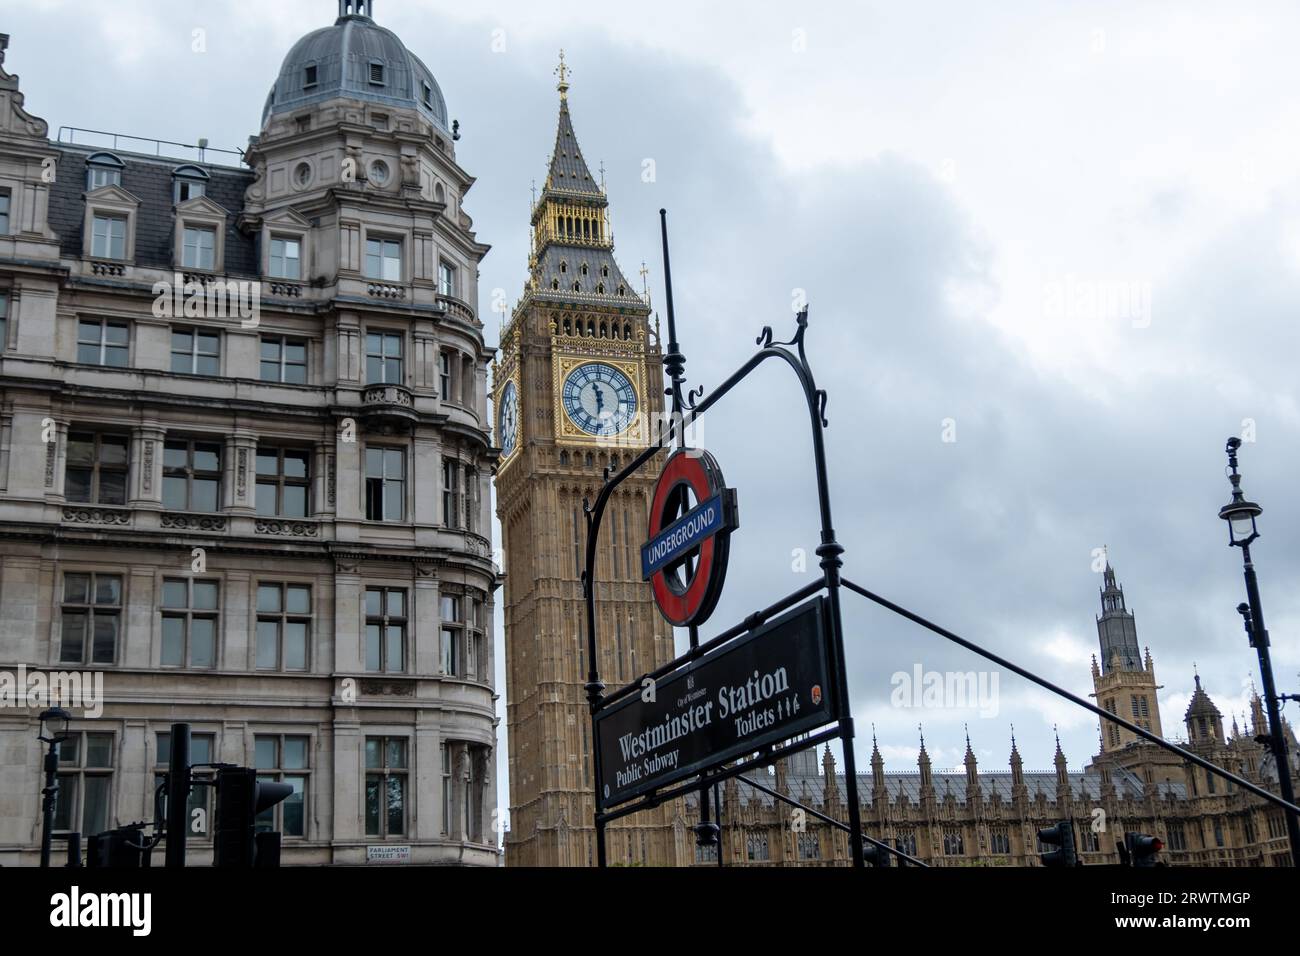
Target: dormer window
(564,267)
(376,73)
(103,169)
(190,182)
(309,77)
(428,95)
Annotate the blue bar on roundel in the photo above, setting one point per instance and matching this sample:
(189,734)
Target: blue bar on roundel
(682,536)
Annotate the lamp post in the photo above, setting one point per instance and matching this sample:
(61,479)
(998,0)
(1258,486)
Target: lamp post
(1240,515)
(57,718)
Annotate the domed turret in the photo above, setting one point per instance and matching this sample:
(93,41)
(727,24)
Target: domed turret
(358,59)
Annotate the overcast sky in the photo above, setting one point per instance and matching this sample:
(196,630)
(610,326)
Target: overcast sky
(1066,235)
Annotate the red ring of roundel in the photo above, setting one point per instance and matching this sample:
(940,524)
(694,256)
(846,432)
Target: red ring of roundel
(681,609)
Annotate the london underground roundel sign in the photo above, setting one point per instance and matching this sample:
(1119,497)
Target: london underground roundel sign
(691,519)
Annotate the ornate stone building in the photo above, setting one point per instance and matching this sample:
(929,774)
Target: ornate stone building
(577,383)
(970,817)
(244,463)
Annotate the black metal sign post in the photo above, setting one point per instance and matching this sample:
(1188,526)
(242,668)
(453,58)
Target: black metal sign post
(731,703)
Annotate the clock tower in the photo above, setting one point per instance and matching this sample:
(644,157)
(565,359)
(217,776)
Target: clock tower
(577,386)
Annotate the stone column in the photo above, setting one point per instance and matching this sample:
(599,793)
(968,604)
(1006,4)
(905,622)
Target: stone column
(425,629)
(349,794)
(236,647)
(427,778)
(146,467)
(138,620)
(239,472)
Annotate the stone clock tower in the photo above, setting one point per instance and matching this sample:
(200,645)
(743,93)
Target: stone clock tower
(576,386)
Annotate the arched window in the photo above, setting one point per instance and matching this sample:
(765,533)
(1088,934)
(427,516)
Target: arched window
(564,267)
(604,330)
(568,327)
(439,194)
(604,272)
(627,330)
(555,284)
(601,288)
(564,458)
(577,287)
(591,327)
(584,268)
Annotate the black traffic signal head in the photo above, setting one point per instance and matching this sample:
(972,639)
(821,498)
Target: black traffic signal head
(240,798)
(1059,835)
(1142,849)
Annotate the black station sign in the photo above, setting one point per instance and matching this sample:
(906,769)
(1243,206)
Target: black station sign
(763,688)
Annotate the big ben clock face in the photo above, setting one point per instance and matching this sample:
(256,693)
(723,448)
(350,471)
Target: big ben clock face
(508,419)
(599,399)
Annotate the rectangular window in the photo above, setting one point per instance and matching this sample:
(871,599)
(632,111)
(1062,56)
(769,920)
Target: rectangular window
(284,760)
(451,493)
(191,476)
(199,249)
(384,259)
(386,630)
(283,626)
(446,278)
(385,484)
(471,499)
(97,467)
(377,74)
(202,748)
(444,375)
(284,360)
(100,176)
(384,358)
(91,618)
(756,847)
(108,237)
(446,788)
(189,623)
(286,258)
(453,624)
(283,482)
(309,77)
(953,844)
(4,214)
(196,351)
(386,773)
(85,780)
(187,189)
(101,342)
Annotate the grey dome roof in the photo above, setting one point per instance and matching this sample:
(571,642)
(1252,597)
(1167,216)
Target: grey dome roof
(343,55)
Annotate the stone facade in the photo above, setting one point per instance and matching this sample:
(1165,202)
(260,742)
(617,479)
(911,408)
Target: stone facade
(244,464)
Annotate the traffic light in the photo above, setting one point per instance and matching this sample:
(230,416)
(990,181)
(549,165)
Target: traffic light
(1060,835)
(1140,849)
(118,848)
(240,798)
(876,855)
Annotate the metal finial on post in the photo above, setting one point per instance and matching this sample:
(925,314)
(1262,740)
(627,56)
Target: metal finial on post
(674,360)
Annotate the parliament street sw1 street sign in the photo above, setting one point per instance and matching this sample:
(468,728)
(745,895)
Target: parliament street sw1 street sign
(770,685)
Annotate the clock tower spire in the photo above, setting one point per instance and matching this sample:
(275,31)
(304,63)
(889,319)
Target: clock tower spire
(576,387)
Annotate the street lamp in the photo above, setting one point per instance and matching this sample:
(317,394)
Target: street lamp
(54,730)
(1240,515)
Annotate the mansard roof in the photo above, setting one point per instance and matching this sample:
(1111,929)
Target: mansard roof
(150,179)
